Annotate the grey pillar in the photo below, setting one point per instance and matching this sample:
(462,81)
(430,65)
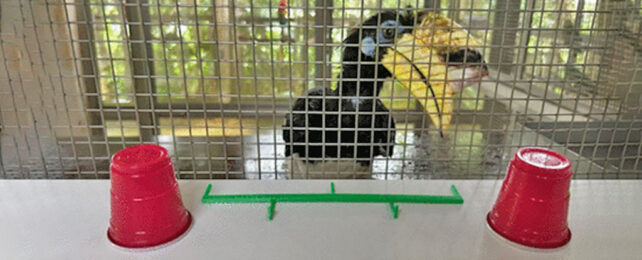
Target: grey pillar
(621,65)
(323,37)
(142,65)
(432,5)
(504,32)
(89,68)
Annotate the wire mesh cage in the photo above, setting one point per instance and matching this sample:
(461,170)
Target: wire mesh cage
(217,83)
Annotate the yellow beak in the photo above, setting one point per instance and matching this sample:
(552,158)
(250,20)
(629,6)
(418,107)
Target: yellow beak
(415,62)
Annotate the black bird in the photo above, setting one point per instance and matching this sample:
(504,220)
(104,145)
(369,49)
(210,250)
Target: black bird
(349,122)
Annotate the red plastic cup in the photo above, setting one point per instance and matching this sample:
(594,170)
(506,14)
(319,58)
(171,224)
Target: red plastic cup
(532,205)
(146,205)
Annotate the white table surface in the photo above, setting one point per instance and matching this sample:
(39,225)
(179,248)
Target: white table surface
(57,219)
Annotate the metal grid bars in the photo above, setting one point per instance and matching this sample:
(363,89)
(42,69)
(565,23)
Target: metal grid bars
(214,80)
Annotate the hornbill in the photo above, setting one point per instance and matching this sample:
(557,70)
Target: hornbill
(329,130)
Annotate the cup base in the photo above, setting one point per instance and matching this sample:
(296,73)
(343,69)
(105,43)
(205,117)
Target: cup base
(158,245)
(527,244)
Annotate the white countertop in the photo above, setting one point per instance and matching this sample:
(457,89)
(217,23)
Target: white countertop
(68,219)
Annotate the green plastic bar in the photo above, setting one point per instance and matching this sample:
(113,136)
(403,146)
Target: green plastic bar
(455,192)
(333,197)
(395,210)
(271,210)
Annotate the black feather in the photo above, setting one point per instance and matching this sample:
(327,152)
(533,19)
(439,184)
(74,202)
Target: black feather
(311,129)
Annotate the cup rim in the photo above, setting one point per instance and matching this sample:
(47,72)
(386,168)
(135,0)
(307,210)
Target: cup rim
(564,162)
(163,244)
(532,246)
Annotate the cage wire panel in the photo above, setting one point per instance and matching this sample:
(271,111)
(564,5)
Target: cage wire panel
(213,80)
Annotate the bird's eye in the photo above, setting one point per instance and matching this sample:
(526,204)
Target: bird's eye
(388,33)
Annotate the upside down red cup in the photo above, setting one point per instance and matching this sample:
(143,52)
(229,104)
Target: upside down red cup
(532,205)
(146,205)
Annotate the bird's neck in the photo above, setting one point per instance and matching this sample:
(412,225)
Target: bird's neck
(362,80)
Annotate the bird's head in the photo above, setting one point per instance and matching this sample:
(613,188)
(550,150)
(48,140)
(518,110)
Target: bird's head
(375,35)
(364,48)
